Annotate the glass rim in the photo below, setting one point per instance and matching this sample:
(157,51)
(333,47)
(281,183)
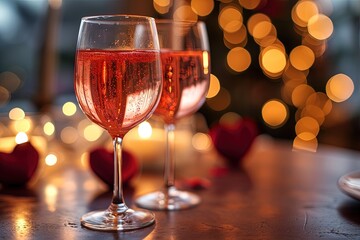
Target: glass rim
(114,18)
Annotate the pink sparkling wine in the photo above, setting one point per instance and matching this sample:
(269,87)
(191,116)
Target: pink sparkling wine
(117,89)
(186,77)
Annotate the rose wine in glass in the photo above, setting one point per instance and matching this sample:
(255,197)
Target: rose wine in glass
(186,73)
(118,85)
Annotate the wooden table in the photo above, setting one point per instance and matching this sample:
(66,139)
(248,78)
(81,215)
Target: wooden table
(280,194)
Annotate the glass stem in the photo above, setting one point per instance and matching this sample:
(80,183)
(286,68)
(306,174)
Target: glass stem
(169,163)
(118,205)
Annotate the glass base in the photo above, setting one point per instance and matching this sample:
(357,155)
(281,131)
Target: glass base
(173,200)
(107,221)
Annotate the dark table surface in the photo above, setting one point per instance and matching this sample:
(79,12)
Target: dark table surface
(279,194)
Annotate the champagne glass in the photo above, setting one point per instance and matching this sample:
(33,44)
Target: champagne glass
(118,85)
(186,73)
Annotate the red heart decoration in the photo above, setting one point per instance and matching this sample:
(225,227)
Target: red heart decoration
(17,167)
(234,140)
(102,164)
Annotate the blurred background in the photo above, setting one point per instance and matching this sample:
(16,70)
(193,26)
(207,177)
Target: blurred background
(290,65)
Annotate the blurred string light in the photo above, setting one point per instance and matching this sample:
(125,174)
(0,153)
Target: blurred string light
(21,137)
(16,114)
(238,59)
(185,12)
(162,6)
(145,130)
(214,86)
(51,159)
(69,108)
(49,128)
(312,23)
(250,4)
(201,142)
(202,7)
(275,113)
(339,88)
(302,57)
(230,19)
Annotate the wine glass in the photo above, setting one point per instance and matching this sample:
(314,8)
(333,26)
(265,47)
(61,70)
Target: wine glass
(186,73)
(118,85)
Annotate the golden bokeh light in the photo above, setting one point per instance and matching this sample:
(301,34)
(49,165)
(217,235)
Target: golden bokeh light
(254,20)
(230,19)
(300,94)
(202,7)
(302,57)
(22,125)
(162,3)
(307,125)
(250,4)
(185,13)
(339,87)
(162,6)
(201,142)
(306,136)
(69,108)
(288,89)
(221,101)
(272,60)
(238,59)
(303,11)
(21,137)
(214,86)
(320,27)
(145,130)
(237,37)
(315,112)
(16,114)
(49,128)
(265,34)
(274,113)
(92,132)
(310,145)
(51,159)
(230,45)
(262,29)
(320,100)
